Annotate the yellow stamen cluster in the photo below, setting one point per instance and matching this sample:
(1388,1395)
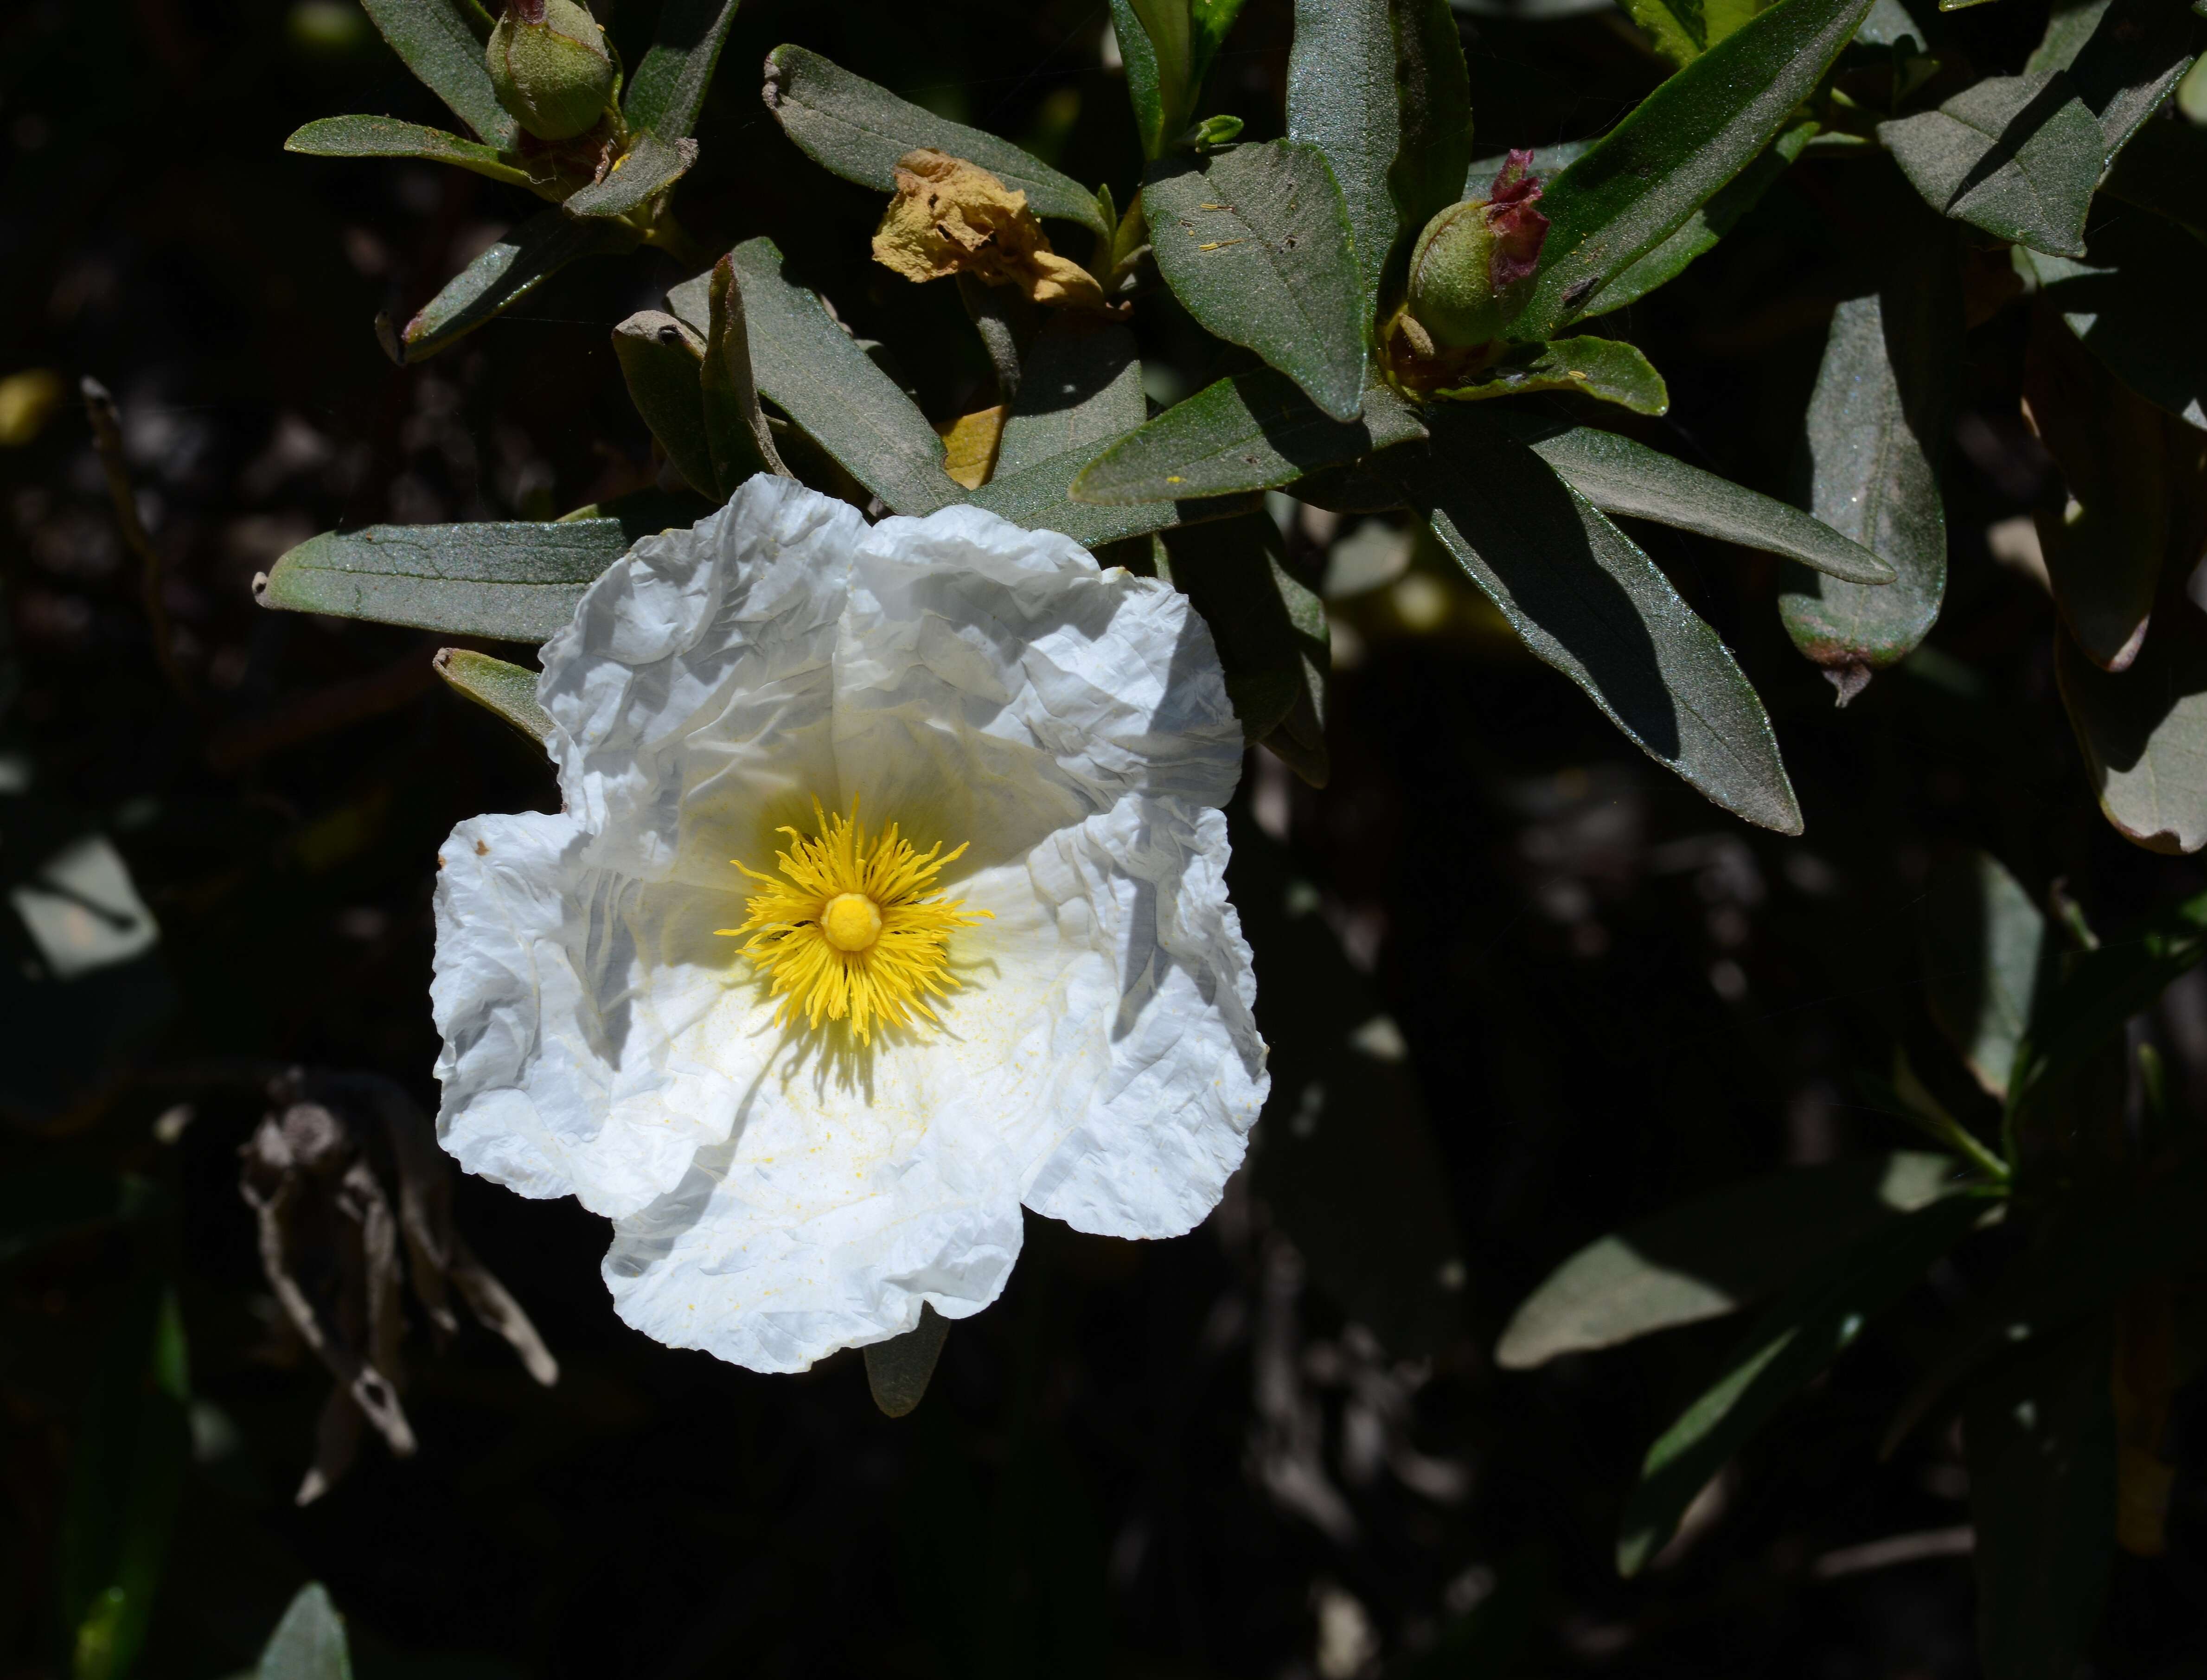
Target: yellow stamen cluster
(852,928)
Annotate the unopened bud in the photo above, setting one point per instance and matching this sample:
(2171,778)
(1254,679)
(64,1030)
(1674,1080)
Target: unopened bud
(1474,264)
(549,65)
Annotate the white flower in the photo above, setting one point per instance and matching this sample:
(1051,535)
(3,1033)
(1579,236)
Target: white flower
(1072,1027)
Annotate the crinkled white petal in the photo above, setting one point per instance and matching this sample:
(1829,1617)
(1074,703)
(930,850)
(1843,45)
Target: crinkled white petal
(780,1193)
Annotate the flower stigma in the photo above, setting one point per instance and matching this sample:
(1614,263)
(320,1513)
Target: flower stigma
(853,928)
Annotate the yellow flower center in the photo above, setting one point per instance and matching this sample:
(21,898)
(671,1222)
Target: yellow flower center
(852,928)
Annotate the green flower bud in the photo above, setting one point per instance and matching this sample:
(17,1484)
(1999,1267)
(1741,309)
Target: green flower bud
(1474,264)
(549,65)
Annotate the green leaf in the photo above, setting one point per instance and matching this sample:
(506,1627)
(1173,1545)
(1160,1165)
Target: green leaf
(126,1470)
(736,427)
(2144,732)
(309,1642)
(1699,233)
(1586,601)
(2137,54)
(1380,88)
(2039,1435)
(899,1370)
(2017,155)
(1256,431)
(2118,302)
(1155,46)
(386,137)
(1348,1166)
(1810,1324)
(834,391)
(506,691)
(1682,30)
(1620,477)
(1080,391)
(2103,548)
(639,175)
(1606,368)
(1988,960)
(661,360)
(442,41)
(2068,27)
(855,128)
(502,276)
(1715,1254)
(1081,387)
(1209,23)
(1643,181)
(1269,625)
(1254,241)
(1875,422)
(510,582)
(667,91)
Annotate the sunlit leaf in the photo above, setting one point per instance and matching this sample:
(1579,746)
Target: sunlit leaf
(386,137)
(1255,431)
(1255,242)
(442,41)
(639,175)
(1603,368)
(667,91)
(1645,178)
(2017,155)
(513,267)
(1801,1332)
(661,360)
(1380,88)
(857,130)
(507,691)
(1715,1254)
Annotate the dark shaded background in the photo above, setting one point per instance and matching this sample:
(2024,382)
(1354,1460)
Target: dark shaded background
(1166,1459)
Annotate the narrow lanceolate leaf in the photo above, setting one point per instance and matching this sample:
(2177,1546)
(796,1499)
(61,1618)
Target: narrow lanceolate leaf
(1269,625)
(1584,598)
(668,89)
(2103,548)
(1700,232)
(1606,368)
(442,41)
(1675,150)
(1619,475)
(857,130)
(1989,958)
(1036,498)
(662,360)
(1255,242)
(507,691)
(2118,302)
(1155,47)
(505,274)
(2017,155)
(1801,1332)
(2040,1437)
(513,582)
(1715,1254)
(1874,424)
(2135,57)
(639,175)
(830,388)
(2144,732)
(1682,30)
(736,430)
(387,137)
(1379,87)
(309,1643)
(1256,431)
